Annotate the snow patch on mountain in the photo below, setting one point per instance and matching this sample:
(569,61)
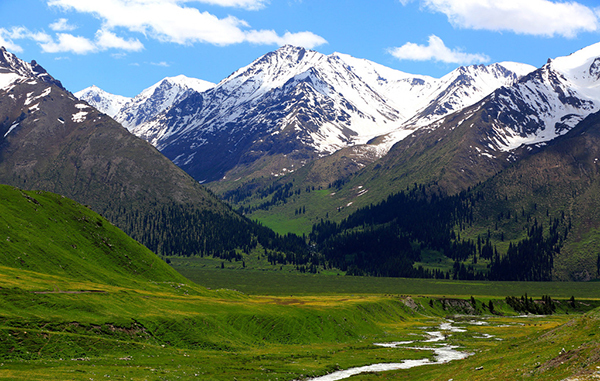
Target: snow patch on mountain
(12,127)
(548,102)
(11,67)
(7,80)
(158,98)
(103,101)
(30,98)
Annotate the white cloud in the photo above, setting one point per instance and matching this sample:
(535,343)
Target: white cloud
(8,37)
(268,37)
(62,25)
(308,40)
(161,64)
(436,50)
(7,43)
(532,17)
(172,21)
(108,40)
(69,43)
(246,4)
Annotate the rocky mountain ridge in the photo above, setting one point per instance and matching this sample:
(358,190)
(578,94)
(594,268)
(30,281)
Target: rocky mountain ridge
(292,106)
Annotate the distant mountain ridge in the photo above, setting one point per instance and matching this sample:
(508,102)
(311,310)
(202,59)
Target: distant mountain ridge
(292,106)
(131,112)
(109,104)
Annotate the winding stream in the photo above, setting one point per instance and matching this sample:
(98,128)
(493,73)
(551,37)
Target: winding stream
(443,353)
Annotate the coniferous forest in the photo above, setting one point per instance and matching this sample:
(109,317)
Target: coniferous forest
(385,239)
(186,230)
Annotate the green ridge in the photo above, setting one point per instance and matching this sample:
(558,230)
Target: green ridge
(50,234)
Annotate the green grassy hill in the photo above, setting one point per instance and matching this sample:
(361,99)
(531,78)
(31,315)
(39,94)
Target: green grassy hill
(46,233)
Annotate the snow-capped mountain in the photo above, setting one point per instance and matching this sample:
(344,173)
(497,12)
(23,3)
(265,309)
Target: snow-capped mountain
(14,70)
(294,100)
(349,102)
(108,103)
(131,112)
(471,145)
(423,99)
(158,98)
(546,103)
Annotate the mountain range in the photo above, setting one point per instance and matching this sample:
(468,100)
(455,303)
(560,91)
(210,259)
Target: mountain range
(305,137)
(52,141)
(293,106)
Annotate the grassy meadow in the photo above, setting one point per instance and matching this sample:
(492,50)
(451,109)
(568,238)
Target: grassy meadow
(79,300)
(270,281)
(170,330)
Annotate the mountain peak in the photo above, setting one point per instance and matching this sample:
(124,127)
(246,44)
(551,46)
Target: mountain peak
(582,68)
(16,66)
(158,98)
(288,48)
(195,84)
(108,103)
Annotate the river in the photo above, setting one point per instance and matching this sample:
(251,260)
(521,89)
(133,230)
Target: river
(443,353)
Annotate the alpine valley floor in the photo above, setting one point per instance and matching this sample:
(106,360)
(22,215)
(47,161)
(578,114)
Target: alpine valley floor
(80,300)
(63,329)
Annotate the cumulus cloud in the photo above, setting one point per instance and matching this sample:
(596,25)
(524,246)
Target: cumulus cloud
(531,17)
(173,21)
(69,43)
(62,25)
(8,37)
(436,50)
(108,40)
(269,37)
(7,41)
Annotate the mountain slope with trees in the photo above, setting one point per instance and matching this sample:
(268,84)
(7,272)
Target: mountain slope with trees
(51,141)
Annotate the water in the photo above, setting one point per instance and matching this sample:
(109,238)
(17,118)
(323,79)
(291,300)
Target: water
(443,353)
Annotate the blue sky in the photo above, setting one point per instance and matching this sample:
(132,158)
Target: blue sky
(124,46)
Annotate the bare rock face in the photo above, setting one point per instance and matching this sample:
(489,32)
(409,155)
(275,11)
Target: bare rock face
(410,303)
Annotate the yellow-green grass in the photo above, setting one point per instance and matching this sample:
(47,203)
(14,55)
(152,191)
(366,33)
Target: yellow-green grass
(115,310)
(170,330)
(63,332)
(538,348)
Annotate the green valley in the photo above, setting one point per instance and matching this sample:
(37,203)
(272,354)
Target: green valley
(81,300)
